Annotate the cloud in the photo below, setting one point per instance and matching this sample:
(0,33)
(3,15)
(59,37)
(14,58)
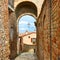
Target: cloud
(23,22)
(32,24)
(22,29)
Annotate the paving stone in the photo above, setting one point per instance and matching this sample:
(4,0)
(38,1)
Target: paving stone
(27,56)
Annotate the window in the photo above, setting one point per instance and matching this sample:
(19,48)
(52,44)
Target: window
(33,40)
(28,36)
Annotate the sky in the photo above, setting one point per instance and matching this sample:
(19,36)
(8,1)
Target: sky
(26,23)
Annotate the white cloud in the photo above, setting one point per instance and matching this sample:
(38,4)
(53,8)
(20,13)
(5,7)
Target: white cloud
(22,29)
(23,22)
(32,24)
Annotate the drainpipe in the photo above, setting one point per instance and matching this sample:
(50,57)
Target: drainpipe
(50,31)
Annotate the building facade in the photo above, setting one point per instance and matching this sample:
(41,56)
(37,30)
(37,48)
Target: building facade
(28,40)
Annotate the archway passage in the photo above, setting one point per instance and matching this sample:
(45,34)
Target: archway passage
(27,37)
(48,28)
(27,40)
(23,8)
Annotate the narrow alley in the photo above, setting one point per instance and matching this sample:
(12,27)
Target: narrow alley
(29,29)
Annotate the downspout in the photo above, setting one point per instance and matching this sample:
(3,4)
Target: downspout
(50,6)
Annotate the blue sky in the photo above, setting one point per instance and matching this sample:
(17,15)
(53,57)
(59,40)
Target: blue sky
(26,23)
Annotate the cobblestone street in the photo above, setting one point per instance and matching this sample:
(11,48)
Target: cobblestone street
(27,56)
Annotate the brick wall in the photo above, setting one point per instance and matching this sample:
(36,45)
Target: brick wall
(43,33)
(38,3)
(58,29)
(54,28)
(48,45)
(4,30)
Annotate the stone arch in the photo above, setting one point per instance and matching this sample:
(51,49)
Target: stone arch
(30,14)
(26,7)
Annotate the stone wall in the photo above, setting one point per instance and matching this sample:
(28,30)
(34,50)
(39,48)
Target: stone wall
(48,31)
(13,34)
(4,30)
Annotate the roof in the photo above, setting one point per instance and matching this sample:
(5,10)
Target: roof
(26,33)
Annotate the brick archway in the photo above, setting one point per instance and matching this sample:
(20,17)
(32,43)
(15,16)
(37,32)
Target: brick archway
(26,7)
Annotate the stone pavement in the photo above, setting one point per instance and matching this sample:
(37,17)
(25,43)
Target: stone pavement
(27,56)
